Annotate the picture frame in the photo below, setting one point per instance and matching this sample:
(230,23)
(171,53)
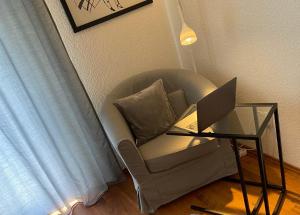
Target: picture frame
(83,14)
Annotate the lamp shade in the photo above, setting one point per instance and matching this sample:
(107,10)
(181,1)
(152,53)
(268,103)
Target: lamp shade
(187,35)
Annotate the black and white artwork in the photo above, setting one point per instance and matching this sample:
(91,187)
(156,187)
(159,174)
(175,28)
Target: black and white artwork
(83,14)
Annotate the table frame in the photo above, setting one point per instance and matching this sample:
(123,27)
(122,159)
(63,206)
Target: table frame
(262,169)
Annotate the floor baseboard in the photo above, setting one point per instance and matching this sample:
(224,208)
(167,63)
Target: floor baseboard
(276,160)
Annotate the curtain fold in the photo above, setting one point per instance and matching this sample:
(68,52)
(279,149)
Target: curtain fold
(52,148)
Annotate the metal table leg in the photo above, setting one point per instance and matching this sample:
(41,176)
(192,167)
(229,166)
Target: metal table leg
(241,175)
(263,175)
(281,199)
(279,149)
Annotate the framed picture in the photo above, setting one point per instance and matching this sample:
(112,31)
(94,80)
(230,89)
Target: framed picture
(83,14)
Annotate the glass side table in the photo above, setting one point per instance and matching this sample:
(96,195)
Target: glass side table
(247,121)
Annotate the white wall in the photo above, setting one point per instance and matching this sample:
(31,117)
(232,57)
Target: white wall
(112,51)
(259,42)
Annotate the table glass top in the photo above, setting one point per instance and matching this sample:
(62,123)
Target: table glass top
(245,119)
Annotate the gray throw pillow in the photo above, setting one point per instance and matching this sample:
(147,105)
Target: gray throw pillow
(178,102)
(147,112)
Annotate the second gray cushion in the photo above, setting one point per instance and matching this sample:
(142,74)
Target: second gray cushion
(178,102)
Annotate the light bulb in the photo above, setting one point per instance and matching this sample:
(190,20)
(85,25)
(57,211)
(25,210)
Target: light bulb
(187,35)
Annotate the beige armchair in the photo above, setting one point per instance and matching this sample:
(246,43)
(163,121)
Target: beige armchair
(166,167)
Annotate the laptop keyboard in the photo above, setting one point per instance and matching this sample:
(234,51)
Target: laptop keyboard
(193,126)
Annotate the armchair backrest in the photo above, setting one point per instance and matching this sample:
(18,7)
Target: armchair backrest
(194,85)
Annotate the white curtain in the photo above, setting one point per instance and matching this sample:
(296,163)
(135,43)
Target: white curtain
(52,148)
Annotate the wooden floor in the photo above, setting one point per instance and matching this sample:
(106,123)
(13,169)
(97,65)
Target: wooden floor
(221,195)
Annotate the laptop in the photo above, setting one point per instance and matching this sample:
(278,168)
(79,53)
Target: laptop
(210,109)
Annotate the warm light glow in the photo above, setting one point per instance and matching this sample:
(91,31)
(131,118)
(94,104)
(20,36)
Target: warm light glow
(64,209)
(187,35)
(60,211)
(56,213)
(71,203)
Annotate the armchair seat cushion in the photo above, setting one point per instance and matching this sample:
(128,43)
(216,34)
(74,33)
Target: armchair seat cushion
(166,151)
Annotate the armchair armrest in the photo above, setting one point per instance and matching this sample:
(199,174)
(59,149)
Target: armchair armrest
(122,140)
(115,125)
